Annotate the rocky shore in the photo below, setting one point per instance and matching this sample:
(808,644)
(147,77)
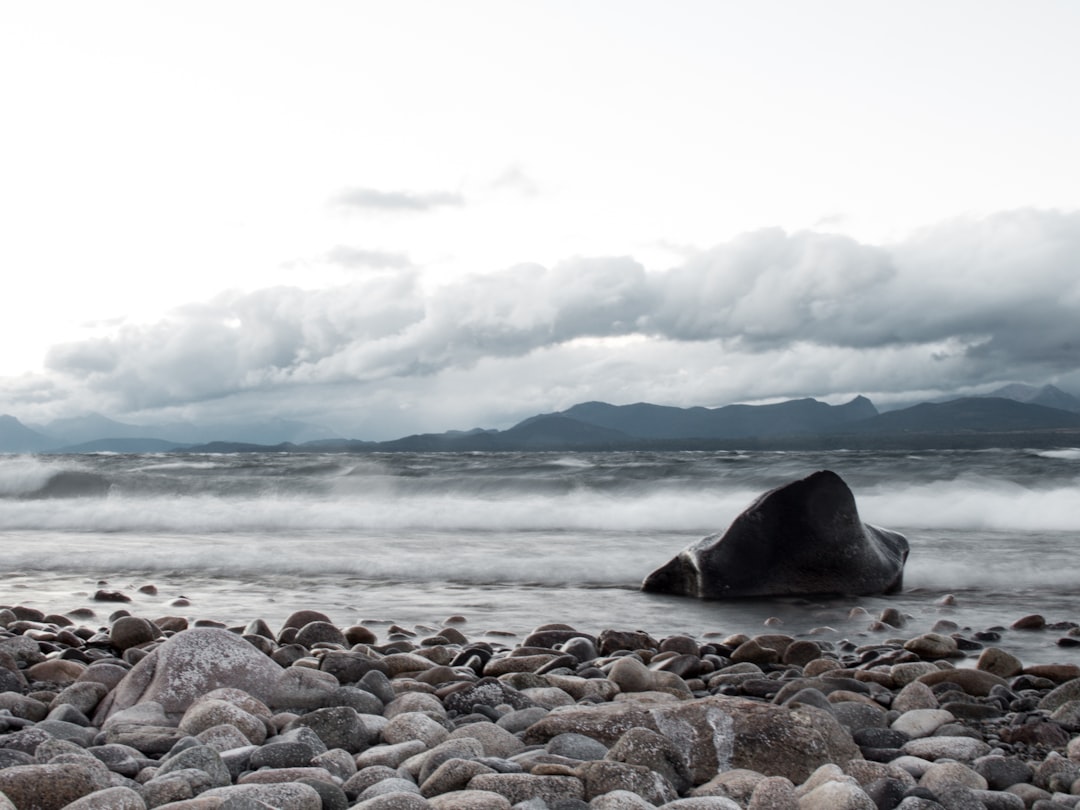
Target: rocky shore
(125,712)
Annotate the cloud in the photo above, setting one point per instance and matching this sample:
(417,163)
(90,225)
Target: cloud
(397,201)
(769,314)
(358,258)
(516,180)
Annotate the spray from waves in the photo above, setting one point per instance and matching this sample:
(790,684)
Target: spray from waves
(1000,563)
(32,477)
(550,560)
(381,511)
(973,503)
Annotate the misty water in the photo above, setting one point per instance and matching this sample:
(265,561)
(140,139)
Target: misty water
(514,540)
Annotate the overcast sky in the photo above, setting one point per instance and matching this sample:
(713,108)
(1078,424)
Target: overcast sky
(388,218)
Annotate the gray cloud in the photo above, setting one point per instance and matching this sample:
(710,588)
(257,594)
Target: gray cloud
(397,201)
(768,314)
(358,258)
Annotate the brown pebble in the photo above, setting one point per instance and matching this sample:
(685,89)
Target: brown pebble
(1058,673)
(1032,622)
(358,634)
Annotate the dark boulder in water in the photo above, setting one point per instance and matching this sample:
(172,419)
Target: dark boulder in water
(799,539)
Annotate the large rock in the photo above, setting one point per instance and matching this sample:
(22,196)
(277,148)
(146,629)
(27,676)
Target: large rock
(716,733)
(189,665)
(802,538)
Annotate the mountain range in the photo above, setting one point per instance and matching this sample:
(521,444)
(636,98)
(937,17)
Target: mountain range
(1015,415)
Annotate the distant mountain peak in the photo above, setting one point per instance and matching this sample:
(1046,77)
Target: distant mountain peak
(1049,396)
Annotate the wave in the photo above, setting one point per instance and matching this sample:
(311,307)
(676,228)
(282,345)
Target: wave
(381,506)
(1067,454)
(28,477)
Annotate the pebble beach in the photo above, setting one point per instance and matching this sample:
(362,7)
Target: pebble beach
(104,709)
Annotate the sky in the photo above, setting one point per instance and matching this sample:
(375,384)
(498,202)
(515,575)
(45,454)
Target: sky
(390,218)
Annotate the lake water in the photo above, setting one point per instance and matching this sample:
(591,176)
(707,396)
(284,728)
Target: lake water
(514,540)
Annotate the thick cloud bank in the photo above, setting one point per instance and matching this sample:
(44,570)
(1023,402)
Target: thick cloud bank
(768,314)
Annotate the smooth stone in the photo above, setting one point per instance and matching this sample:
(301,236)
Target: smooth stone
(773,793)
(342,727)
(202,758)
(206,714)
(943,774)
(1060,695)
(452,775)
(631,675)
(319,632)
(972,681)
(84,696)
(603,776)
(390,755)
(132,631)
(611,640)
(915,695)
(281,796)
(932,646)
(282,755)
(223,738)
(113,798)
(1030,622)
(51,787)
(494,740)
(1001,772)
(268,776)
(903,674)
(958,748)
(837,796)
(470,800)
(620,800)
(523,787)
(414,726)
(999,662)
(384,787)
(737,784)
(921,722)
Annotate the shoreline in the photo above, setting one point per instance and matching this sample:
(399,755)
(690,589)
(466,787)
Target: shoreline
(436,716)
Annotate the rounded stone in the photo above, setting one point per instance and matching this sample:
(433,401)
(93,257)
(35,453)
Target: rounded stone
(963,749)
(999,662)
(932,646)
(206,714)
(414,726)
(319,632)
(1030,622)
(189,665)
(943,774)
(631,675)
(837,796)
(915,695)
(921,722)
(51,787)
(132,631)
